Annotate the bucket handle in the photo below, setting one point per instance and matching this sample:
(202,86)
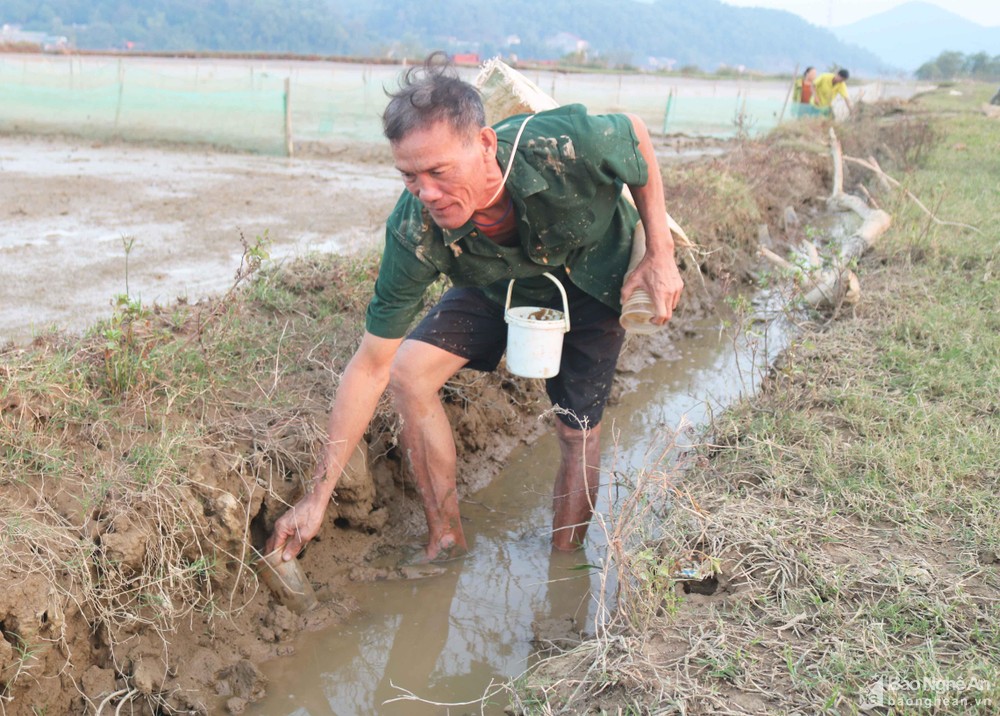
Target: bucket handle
(562,292)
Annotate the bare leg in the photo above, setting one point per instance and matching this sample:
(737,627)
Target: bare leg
(418,373)
(577,482)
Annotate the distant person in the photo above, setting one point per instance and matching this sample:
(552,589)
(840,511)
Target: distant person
(827,86)
(804,86)
(804,93)
(996,98)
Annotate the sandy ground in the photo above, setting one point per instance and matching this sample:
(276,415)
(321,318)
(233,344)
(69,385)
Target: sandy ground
(67,207)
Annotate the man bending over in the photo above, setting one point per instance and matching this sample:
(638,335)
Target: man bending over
(484,205)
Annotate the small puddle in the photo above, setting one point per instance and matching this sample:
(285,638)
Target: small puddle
(446,639)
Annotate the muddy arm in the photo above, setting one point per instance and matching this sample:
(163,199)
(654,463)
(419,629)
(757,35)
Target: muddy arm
(657,272)
(361,386)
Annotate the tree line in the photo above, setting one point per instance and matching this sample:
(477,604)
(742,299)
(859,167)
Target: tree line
(956,65)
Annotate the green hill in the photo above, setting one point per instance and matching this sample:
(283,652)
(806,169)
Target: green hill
(705,33)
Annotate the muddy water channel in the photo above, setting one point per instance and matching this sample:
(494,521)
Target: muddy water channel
(447,638)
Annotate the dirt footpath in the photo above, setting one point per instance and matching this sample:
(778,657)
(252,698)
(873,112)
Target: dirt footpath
(69,207)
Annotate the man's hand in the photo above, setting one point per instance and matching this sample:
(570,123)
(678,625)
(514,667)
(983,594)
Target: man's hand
(657,272)
(361,386)
(296,527)
(661,280)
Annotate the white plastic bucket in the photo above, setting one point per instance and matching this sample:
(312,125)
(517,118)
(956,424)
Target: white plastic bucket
(535,336)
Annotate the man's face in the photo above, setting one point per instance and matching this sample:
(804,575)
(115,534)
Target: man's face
(446,170)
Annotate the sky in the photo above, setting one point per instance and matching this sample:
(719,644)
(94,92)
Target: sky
(843,12)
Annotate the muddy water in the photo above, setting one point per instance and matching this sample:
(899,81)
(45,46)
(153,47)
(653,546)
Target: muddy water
(447,638)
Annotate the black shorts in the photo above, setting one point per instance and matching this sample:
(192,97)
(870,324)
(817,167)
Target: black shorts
(468,324)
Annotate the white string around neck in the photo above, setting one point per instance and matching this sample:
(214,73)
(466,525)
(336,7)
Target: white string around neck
(510,162)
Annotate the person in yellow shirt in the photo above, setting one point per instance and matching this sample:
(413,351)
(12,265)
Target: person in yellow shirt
(826,88)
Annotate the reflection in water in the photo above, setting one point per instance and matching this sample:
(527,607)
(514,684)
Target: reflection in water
(444,638)
(447,638)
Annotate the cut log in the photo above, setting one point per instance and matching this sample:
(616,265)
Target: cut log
(829,287)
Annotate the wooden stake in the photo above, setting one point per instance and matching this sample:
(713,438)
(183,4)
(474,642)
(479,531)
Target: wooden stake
(795,78)
(121,90)
(289,148)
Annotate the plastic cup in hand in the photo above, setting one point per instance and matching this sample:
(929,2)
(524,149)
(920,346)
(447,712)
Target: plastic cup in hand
(637,314)
(288,582)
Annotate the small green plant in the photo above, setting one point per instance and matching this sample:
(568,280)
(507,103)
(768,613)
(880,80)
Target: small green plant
(655,579)
(722,666)
(253,258)
(145,463)
(743,122)
(128,242)
(24,656)
(126,356)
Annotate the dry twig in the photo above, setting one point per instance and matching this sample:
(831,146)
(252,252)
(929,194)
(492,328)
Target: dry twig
(873,166)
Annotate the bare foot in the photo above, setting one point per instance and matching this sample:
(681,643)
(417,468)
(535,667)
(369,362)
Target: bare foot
(441,555)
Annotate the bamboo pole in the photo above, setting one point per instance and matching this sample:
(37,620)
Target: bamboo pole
(289,148)
(795,78)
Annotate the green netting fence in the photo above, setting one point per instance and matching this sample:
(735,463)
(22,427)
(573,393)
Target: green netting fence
(252,105)
(264,105)
(120,99)
(674,105)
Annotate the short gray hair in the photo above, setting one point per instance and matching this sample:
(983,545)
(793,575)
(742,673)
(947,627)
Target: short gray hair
(429,93)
